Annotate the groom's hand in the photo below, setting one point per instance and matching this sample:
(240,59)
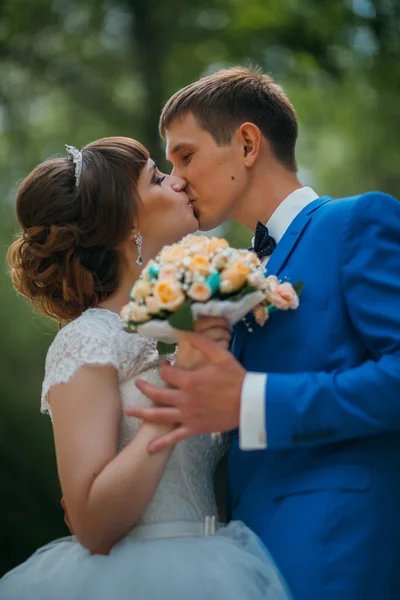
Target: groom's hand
(205,400)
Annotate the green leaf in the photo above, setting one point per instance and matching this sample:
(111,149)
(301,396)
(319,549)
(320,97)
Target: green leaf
(182,319)
(298,287)
(164,348)
(162,315)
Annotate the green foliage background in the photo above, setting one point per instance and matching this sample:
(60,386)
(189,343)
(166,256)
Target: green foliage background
(73,71)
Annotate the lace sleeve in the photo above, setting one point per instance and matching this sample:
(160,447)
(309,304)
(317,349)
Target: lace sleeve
(84,341)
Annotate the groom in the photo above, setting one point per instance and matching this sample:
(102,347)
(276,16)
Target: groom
(315,393)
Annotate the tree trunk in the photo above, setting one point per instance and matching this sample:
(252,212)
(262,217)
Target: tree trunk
(149,40)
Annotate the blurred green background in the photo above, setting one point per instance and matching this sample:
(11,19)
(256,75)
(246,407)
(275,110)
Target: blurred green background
(72,71)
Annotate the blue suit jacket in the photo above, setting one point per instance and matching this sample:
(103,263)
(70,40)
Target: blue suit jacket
(325,494)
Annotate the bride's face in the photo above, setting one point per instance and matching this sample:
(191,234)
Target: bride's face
(164,213)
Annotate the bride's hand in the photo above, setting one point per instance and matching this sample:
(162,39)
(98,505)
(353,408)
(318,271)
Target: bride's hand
(216,328)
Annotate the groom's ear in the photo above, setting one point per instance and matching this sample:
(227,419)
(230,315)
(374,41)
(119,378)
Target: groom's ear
(249,138)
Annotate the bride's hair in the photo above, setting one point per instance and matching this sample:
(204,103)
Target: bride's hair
(66,258)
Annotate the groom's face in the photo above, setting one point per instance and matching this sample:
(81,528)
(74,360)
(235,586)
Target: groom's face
(214,174)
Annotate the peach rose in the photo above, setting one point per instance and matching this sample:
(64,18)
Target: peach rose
(219,261)
(195,244)
(233,256)
(284,297)
(169,295)
(271,283)
(188,240)
(200,264)
(261,315)
(200,247)
(172,254)
(257,280)
(192,239)
(216,244)
(234,277)
(141,289)
(200,292)
(226,286)
(152,305)
(134,312)
(250,258)
(169,272)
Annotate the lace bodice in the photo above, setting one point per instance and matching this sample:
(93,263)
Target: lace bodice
(186,490)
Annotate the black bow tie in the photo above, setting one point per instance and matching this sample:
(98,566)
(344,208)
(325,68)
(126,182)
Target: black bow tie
(264,244)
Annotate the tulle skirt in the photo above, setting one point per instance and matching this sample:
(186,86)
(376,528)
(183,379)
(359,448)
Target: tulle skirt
(232,564)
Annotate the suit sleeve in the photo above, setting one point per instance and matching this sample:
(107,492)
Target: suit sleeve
(312,408)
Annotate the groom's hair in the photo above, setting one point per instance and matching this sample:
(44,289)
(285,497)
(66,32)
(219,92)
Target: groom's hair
(221,102)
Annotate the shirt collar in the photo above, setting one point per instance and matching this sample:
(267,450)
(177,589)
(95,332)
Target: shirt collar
(288,210)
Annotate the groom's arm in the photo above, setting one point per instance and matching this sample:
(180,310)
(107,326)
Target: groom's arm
(285,410)
(317,407)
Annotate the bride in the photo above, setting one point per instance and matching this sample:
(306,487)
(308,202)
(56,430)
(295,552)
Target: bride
(141,522)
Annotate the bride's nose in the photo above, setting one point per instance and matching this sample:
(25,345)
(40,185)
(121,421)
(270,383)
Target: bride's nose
(178,184)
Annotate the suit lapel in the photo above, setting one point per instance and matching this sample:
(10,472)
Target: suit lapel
(292,236)
(279,258)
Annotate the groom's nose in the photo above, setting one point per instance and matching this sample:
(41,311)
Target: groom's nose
(176,172)
(178,184)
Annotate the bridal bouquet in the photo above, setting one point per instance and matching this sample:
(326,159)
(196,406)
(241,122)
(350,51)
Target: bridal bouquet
(201,276)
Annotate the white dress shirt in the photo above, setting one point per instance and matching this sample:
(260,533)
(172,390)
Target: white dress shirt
(252,431)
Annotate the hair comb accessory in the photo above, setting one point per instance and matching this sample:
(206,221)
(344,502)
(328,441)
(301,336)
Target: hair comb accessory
(76,156)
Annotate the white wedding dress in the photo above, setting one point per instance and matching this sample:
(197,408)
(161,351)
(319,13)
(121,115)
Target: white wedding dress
(168,554)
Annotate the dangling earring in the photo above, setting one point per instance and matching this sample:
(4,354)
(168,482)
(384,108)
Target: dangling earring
(139,243)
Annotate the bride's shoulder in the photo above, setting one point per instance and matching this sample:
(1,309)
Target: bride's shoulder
(98,336)
(89,333)
(93,327)
(94,322)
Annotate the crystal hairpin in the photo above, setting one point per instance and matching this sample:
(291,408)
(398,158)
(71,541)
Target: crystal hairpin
(77,159)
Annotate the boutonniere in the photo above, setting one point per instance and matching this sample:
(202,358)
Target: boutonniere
(279,296)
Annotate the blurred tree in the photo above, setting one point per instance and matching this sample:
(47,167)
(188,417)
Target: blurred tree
(71,72)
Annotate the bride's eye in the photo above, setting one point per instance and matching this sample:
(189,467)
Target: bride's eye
(158,179)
